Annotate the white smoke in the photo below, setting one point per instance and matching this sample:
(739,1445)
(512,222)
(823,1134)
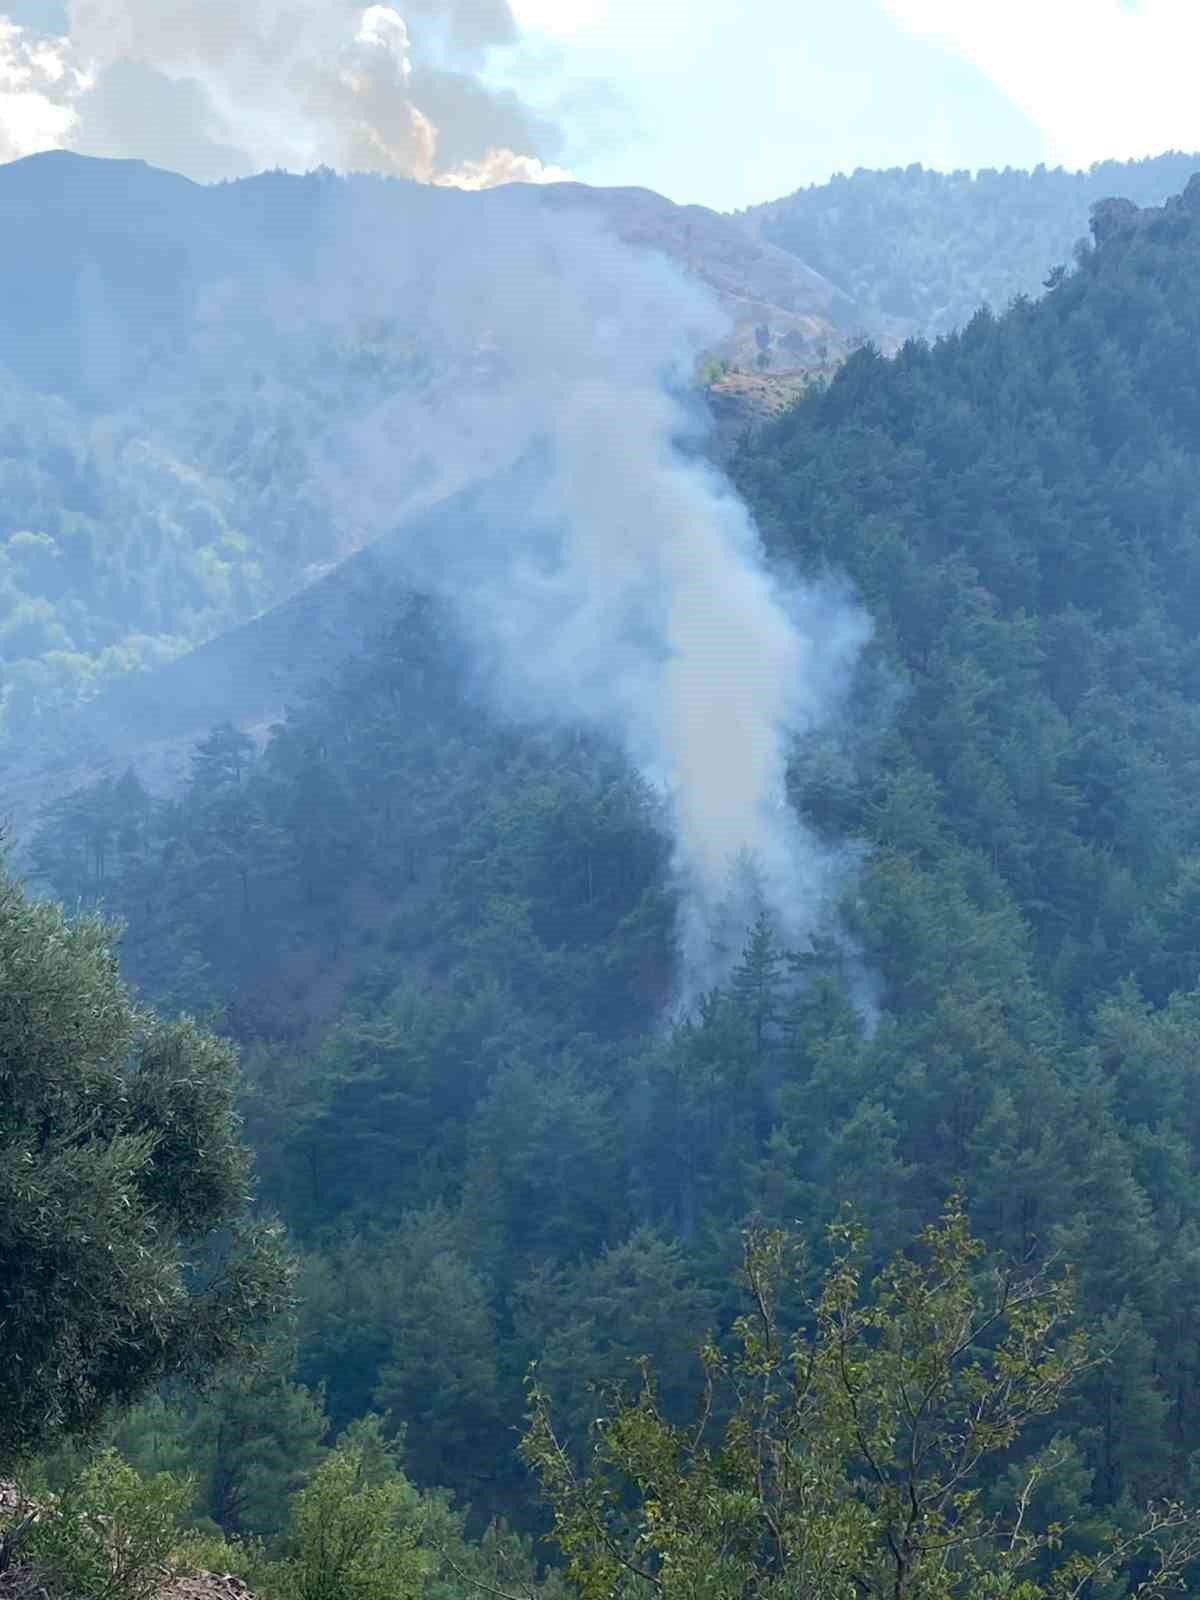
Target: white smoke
(611,576)
(221,88)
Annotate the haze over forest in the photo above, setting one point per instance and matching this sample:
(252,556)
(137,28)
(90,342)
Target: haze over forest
(580,774)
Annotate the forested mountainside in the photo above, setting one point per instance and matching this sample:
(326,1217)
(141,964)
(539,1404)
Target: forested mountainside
(179,365)
(445,944)
(168,412)
(931,247)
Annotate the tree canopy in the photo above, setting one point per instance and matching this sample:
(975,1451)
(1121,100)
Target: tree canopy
(842,1460)
(120,1162)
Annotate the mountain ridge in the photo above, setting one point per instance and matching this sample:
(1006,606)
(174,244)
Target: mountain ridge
(754,281)
(930,247)
(250,671)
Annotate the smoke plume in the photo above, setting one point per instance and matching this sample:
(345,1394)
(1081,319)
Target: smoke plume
(607,573)
(221,88)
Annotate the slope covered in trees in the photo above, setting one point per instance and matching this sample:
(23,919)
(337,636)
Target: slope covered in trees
(169,408)
(445,943)
(185,372)
(931,247)
(164,413)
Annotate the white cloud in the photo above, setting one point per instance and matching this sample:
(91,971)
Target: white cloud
(36,84)
(1102,78)
(232,86)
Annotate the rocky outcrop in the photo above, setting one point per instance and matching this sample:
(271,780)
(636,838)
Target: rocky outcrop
(740,401)
(1112,218)
(205,1586)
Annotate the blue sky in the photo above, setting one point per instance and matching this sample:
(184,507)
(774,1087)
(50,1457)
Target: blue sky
(732,101)
(723,102)
(729,104)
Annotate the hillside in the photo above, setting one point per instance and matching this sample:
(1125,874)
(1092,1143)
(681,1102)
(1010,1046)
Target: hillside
(119,257)
(174,425)
(808,319)
(929,248)
(446,940)
(185,371)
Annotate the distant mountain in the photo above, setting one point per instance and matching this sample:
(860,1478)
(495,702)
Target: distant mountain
(172,357)
(119,260)
(165,371)
(930,247)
